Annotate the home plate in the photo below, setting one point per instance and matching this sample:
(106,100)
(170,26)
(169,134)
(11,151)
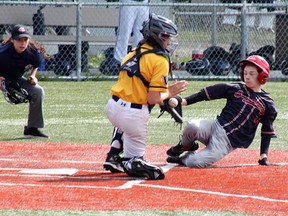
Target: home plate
(70,171)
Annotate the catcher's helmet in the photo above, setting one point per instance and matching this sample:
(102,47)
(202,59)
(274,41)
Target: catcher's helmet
(156,27)
(13,93)
(259,62)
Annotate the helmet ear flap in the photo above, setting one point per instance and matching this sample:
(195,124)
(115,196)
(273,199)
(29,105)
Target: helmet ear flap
(263,77)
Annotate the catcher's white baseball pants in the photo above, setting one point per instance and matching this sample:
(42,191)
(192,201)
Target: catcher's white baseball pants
(133,122)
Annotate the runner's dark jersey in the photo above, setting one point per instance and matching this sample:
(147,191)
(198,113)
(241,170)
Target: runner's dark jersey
(243,111)
(14,65)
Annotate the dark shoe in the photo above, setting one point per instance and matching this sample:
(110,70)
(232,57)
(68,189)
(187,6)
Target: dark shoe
(34,133)
(175,159)
(179,149)
(137,167)
(113,164)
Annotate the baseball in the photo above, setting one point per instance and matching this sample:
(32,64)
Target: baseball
(173,102)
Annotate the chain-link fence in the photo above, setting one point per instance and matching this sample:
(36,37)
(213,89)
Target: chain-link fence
(213,35)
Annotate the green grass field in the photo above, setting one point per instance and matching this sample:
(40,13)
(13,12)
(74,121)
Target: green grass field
(75,113)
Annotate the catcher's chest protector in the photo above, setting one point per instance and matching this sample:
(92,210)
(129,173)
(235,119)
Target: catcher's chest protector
(132,65)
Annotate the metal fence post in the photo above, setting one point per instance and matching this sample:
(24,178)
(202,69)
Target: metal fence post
(244,31)
(78,39)
(214,25)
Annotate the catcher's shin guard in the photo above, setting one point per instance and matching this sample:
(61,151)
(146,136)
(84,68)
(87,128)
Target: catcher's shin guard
(137,167)
(117,139)
(117,142)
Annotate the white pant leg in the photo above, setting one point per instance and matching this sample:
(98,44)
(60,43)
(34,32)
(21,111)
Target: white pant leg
(126,18)
(130,19)
(210,133)
(134,124)
(198,129)
(217,147)
(143,15)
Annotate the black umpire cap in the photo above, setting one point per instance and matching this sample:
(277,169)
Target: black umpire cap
(19,31)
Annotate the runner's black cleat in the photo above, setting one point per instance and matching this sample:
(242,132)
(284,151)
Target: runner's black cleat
(179,149)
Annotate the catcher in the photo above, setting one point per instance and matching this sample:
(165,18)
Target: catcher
(18,55)
(117,137)
(235,127)
(142,82)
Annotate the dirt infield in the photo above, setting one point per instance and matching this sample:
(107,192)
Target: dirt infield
(51,176)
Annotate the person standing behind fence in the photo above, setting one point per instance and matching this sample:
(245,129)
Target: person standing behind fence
(130,21)
(20,54)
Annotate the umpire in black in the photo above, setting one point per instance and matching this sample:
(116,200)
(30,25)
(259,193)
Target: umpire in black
(20,54)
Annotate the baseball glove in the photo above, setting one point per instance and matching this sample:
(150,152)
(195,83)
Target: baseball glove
(176,112)
(13,93)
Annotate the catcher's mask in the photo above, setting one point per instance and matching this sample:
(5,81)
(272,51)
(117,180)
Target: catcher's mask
(13,93)
(160,29)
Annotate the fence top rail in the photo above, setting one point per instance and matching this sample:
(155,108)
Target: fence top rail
(230,13)
(59,16)
(193,4)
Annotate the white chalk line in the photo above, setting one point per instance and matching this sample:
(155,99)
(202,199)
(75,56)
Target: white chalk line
(131,182)
(214,193)
(50,161)
(101,162)
(24,172)
(135,183)
(58,161)
(68,174)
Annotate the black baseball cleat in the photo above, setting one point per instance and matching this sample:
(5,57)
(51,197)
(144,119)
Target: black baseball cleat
(137,167)
(113,164)
(179,149)
(30,132)
(174,159)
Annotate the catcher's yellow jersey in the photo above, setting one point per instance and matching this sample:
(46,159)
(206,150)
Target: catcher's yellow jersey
(153,67)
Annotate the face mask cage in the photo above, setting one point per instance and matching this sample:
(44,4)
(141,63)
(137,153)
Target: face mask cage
(173,42)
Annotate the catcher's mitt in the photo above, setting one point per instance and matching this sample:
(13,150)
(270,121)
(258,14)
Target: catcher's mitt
(176,112)
(13,93)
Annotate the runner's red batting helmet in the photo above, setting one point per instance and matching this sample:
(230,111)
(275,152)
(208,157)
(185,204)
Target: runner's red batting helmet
(261,63)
